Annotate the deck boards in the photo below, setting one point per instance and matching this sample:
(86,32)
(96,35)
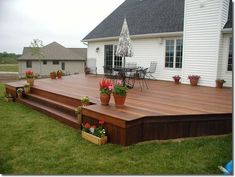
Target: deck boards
(162,98)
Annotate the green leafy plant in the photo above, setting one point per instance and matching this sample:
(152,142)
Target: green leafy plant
(20,90)
(119,88)
(78,110)
(222,81)
(85,99)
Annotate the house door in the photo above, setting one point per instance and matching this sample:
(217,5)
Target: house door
(110,59)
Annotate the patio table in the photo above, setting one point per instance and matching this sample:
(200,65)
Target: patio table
(122,73)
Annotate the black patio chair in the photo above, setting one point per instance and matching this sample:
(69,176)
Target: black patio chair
(151,70)
(109,72)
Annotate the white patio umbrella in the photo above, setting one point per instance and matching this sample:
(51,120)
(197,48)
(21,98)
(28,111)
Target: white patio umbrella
(124,48)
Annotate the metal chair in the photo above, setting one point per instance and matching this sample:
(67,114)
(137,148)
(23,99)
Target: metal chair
(109,73)
(151,70)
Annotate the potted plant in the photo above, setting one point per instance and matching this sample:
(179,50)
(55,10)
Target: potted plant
(119,93)
(193,79)
(29,77)
(176,79)
(19,92)
(53,75)
(27,88)
(219,83)
(95,134)
(85,101)
(8,97)
(106,88)
(60,74)
(78,114)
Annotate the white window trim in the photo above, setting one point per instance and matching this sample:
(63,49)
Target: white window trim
(174,59)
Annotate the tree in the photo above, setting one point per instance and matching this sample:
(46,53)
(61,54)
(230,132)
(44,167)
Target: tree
(35,47)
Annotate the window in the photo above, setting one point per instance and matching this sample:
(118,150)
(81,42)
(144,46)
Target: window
(117,59)
(44,62)
(28,64)
(55,62)
(169,54)
(108,55)
(230,55)
(173,53)
(179,53)
(110,58)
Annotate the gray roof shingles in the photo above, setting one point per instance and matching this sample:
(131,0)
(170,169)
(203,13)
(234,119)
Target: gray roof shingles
(143,17)
(229,23)
(55,51)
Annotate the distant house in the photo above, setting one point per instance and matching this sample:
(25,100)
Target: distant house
(53,57)
(184,37)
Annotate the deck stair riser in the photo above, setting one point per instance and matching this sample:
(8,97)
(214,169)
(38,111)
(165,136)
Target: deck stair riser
(53,104)
(55,113)
(56,97)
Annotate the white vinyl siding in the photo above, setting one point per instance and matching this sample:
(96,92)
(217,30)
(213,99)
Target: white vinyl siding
(144,51)
(223,72)
(202,33)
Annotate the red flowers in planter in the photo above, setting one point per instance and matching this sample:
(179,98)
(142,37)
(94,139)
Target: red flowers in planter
(98,131)
(106,86)
(29,74)
(101,122)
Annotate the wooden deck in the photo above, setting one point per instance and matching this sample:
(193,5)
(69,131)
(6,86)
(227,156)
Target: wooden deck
(163,111)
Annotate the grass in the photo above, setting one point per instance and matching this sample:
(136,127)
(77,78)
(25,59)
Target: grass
(9,67)
(32,143)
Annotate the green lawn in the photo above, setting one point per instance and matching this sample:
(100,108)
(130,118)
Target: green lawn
(9,67)
(32,143)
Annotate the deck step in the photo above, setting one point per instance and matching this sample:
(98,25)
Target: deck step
(52,104)
(52,112)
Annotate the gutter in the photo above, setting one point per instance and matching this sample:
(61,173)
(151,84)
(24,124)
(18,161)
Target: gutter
(227,30)
(139,36)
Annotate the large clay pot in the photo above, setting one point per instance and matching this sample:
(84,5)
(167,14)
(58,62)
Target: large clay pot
(104,98)
(194,82)
(119,100)
(59,74)
(177,81)
(30,81)
(219,84)
(53,75)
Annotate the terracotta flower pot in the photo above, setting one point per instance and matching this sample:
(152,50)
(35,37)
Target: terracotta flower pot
(119,100)
(30,81)
(104,98)
(53,75)
(85,103)
(194,82)
(219,84)
(177,81)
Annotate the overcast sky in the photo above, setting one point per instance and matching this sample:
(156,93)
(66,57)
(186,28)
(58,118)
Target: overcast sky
(64,21)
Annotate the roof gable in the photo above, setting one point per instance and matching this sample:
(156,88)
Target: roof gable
(143,17)
(52,51)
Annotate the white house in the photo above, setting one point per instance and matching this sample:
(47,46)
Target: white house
(185,37)
(53,57)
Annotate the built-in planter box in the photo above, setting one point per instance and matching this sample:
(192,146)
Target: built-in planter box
(94,139)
